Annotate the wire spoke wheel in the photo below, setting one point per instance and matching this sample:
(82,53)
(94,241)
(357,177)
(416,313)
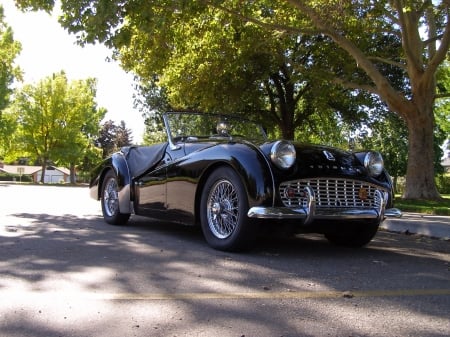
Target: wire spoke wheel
(110,201)
(111,197)
(222,209)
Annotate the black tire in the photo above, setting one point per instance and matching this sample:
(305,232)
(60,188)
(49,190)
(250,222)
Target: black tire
(223,212)
(354,235)
(110,201)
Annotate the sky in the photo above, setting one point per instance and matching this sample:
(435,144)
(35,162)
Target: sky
(47,48)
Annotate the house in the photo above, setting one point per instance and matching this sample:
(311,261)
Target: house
(53,174)
(446,164)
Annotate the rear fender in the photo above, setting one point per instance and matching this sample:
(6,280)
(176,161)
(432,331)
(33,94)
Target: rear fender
(118,164)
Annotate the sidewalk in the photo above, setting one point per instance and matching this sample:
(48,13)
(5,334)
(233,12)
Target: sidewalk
(435,226)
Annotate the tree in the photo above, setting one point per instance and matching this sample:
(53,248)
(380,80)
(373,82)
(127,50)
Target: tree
(56,120)
(9,50)
(442,106)
(423,28)
(83,122)
(349,24)
(123,135)
(151,100)
(420,60)
(112,137)
(218,62)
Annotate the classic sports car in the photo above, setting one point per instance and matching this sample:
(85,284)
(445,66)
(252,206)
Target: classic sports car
(222,173)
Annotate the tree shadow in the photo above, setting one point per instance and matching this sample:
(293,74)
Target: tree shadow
(44,251)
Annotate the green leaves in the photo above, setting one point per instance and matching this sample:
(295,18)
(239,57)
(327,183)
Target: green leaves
(57,119)
(9,50)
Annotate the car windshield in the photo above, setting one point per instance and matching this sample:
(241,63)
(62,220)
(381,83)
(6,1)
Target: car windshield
(186,126)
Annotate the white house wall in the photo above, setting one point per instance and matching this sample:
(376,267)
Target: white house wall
(52,177)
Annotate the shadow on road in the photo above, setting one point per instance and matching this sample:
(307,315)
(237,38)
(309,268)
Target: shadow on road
(43,252)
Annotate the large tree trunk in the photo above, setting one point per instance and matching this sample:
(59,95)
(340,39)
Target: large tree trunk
(419,118)
(420,182)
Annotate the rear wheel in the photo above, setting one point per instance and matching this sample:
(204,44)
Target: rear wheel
(224,207)
(110,201)
(357,234)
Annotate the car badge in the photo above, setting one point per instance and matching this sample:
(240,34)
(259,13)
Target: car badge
(329,155)
(363,194)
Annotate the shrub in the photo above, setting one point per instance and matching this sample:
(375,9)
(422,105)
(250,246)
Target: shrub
(443,183)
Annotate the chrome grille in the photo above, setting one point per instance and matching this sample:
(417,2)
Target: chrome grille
(330,193)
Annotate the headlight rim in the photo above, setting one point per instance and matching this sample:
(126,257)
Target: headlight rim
(279,153)
(374,163)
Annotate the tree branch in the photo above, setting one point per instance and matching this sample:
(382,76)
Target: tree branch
(442,95)
(410,37)
(433,39)
(352,85)
(392,63)
(267,25)
(442,51)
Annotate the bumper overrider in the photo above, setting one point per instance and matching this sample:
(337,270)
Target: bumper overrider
(310,212)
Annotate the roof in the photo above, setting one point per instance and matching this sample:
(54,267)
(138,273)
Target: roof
(29,170)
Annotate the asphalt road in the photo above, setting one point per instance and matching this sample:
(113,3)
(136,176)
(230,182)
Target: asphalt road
(63,272)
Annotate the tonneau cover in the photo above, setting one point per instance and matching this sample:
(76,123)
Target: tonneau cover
(143,158)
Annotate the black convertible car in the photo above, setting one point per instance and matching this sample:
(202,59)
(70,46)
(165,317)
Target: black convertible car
(224,174)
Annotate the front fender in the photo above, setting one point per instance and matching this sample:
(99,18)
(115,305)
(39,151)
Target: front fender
(251,165)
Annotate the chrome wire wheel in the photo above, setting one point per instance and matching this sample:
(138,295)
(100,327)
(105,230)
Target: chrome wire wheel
(110,197)
(222,209)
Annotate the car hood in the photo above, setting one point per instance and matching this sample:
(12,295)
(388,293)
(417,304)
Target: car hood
(315,160)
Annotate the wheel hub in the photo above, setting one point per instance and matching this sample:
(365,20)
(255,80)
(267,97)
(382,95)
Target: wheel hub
(216,209)
(221,209)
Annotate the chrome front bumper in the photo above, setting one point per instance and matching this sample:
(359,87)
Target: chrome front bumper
(311,212)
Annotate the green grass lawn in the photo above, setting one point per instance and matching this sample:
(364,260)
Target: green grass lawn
(424,206)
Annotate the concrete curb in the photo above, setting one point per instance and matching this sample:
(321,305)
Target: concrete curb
(415,223)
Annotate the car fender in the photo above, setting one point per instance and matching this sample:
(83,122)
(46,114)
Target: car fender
(251,165)
(119,165)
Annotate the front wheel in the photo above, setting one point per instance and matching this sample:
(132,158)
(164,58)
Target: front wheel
(355,235)
(110,201)
(223,212)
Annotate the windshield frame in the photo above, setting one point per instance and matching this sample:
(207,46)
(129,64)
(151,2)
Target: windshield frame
(213,126)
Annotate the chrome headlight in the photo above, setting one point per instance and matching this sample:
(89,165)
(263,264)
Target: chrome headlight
(373,161)
(283,154)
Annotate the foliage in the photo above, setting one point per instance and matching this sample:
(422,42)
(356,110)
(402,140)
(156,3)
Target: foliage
(112,137)
(442,105)
(443,183)
(57,120)
(9,50)
(384,129)
(216,62)
(8,126)
(15,177)
(151,100)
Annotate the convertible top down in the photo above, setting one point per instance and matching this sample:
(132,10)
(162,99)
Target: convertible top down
(224,174)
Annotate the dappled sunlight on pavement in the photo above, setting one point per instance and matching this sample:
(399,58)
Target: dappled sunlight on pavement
(64,272)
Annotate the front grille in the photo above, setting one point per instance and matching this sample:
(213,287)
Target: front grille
(330,193)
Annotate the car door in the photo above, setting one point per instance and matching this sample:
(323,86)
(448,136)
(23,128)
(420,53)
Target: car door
(150,198)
